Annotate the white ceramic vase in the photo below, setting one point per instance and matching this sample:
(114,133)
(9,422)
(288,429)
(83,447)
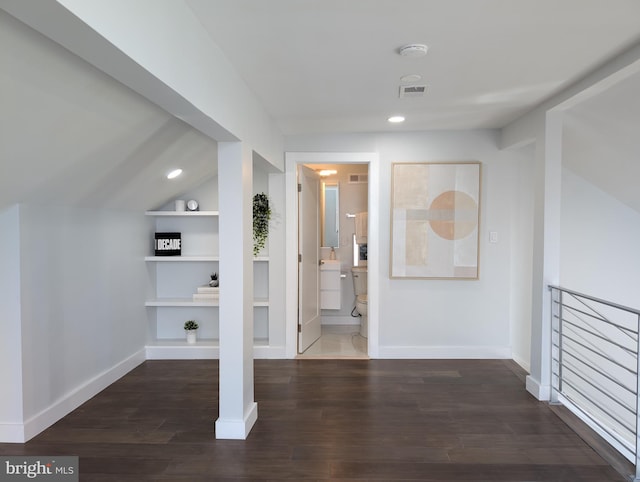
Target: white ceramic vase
(191,336)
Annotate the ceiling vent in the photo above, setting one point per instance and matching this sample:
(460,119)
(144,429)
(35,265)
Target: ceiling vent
(412,91)
(358,178)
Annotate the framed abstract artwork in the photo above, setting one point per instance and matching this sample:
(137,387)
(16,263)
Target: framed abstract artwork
(435,220)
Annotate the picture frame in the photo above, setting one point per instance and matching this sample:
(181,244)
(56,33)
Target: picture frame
(435,220)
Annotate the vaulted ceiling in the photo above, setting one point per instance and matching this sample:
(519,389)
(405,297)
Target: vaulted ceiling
(72,134)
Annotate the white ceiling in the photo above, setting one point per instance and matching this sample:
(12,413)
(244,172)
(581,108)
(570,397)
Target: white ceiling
(332,65)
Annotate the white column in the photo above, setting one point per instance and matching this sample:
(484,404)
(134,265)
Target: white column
(546,247)
(11,401)
(238,410)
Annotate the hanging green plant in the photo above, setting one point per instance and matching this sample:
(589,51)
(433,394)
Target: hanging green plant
(261,217)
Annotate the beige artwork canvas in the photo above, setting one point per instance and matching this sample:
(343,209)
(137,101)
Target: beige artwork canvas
(435,220)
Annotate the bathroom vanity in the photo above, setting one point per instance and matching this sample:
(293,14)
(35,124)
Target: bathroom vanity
(330,288)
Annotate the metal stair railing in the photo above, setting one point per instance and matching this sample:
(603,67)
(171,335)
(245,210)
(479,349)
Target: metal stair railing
(595,366)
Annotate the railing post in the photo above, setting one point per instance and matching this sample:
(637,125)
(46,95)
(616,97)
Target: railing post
(555,390)
(560,323)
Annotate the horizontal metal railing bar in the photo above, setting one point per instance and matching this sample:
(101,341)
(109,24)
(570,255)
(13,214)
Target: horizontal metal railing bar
(595,404)
(587,362)
(609,396)
(597,300)
(598,335)
(631,333)
(628,331)
(603,317)
(609,432)
(599,354)
(606,375)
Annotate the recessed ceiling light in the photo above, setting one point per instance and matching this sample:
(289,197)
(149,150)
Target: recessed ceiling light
(413,50)
(175,173)
(410,78)
(396,119)
(327,172)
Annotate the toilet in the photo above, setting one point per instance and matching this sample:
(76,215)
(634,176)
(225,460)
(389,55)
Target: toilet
(360,287)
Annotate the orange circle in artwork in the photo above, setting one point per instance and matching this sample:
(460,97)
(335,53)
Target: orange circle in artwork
(453,215)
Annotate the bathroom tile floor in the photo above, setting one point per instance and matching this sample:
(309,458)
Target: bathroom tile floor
(338,341)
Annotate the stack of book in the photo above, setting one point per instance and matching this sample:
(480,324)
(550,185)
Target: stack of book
(206,293)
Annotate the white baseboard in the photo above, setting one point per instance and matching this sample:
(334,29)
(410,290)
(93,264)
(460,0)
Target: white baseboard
(182,352)
(626,449)
(77,397)
(237,429)
(339,320)
(541,392)
(444,352)
(269,352)
(206,352)
(523,363)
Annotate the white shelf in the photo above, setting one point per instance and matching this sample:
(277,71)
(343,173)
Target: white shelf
(171,302)
(186,302)
(182,343)
(259,259)
(177,259)
(182,213)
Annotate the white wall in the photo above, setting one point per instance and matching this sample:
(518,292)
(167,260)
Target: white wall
(599,243)
(543,125)
(83,282)
(432,318)
(522,252)
(10,330)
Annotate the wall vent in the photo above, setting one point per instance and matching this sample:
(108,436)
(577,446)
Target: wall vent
(358,178)
(412,90)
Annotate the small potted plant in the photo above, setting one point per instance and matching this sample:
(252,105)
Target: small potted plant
(190,328)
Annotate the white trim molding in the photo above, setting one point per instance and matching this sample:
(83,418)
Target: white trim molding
(444,352)
(535,388)
(77,397)
(237,429)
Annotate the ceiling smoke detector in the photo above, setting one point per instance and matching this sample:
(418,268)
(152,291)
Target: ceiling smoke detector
(413,50)
(410,78)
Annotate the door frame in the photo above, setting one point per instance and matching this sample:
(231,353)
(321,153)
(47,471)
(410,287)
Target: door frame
(292,160)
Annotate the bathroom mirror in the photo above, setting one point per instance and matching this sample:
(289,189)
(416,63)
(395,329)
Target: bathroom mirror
(329,212)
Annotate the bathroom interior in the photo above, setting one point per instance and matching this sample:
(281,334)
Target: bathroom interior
(343,299)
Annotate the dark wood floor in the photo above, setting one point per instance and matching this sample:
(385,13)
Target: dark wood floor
(428,420)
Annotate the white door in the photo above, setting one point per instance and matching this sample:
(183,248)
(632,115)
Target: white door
(309,257)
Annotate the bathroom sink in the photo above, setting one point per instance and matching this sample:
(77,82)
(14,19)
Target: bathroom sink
(330,264)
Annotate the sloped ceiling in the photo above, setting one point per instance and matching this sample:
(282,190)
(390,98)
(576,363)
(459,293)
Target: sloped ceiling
(70,134)
(601,143)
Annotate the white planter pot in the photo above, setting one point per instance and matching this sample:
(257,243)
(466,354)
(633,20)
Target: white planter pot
(191,336)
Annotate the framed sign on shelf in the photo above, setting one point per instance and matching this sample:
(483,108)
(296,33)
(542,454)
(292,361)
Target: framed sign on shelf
(435,220)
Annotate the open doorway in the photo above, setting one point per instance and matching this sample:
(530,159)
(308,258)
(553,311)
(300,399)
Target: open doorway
(340,326)
(332,292)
